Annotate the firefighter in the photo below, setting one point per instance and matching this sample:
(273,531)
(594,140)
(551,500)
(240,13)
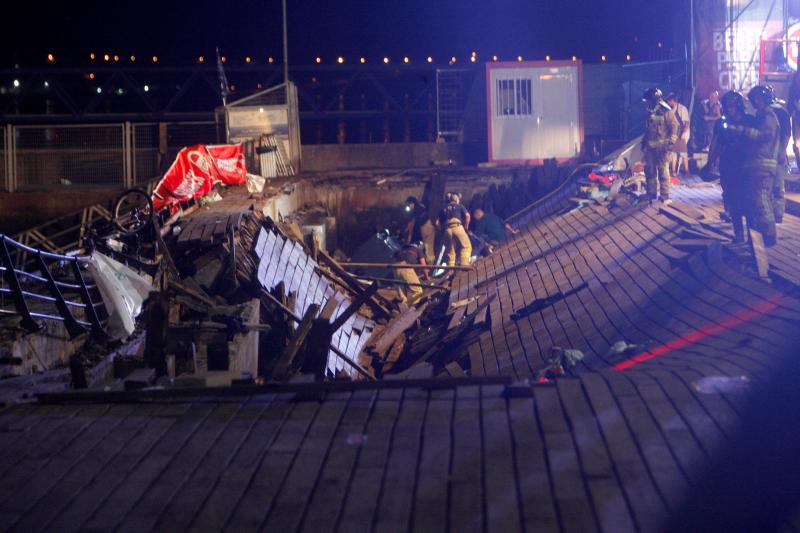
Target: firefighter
(660,135)
(420,227)
(454,222)
(761,159)
(779,187)
(729,150)
(411,291)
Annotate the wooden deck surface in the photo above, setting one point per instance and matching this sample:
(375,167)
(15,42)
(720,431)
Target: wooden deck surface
(613,447)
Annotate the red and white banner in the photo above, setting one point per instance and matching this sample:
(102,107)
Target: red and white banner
(195,171)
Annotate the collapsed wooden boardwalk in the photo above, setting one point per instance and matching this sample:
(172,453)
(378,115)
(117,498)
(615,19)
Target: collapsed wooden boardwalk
(613,447)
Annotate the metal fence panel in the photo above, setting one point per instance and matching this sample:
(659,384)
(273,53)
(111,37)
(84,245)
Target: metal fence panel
(145,152)
(74,155)
(4,178)
(148,161)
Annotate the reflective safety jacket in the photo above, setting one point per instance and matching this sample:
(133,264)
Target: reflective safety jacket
(762,139)
(785,123)
(660,130)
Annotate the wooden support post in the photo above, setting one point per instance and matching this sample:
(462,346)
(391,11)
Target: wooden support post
(156,333)
(314,358)
(284,364)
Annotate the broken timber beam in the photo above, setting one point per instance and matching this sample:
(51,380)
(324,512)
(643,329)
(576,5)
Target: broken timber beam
(378,305)
(333,348)
(354,306)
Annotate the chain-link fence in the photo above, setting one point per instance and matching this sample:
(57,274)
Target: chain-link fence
(73,155)
(100,155)
(155,145)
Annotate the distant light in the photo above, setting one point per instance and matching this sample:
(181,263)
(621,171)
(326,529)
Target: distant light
(51,58)
(106,57)
(602,58)
(120,91)
(430,59)
(92,56)
(99,90)
(258,85)
(547,58)
(318,59)
(16,83)
(116,58)
(133,59)
(406,60)
(270,60)
(233,88)
(628,57)
(494,58)
(362,60)
(91,75)
(474,54)
(201,59)
(519,58)
(386,60)
(472,59)
(260,109)
(247,59)
(660,44)
(340,60)
(453,59)
(147,88)
(574,58)
(46,84)
(224,59)
(155,59)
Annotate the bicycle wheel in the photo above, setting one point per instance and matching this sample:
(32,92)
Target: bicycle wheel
(133,211)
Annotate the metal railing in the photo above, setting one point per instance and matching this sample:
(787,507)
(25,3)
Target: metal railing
(115,156)
(42,296)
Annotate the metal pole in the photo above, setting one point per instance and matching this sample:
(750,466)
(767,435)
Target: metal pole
(691,43)
(285,47)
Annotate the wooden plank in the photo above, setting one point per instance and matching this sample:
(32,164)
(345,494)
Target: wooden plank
(760,254)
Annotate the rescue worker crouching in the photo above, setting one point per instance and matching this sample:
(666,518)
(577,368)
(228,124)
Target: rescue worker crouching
(420,228)
(660,135)
(411,291)
(454,221)
(761,160)
(729,150)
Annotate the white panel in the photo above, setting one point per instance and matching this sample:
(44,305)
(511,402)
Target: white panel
(552,128)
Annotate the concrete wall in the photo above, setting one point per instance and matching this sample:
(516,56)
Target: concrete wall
(326,157)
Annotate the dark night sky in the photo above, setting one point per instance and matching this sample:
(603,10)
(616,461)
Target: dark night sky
(179,31)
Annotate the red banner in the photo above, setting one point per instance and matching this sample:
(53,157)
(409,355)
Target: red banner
(195,171)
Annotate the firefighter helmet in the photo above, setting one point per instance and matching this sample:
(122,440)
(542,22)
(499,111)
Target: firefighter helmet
(762,91)
(652,97)
(735,98)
